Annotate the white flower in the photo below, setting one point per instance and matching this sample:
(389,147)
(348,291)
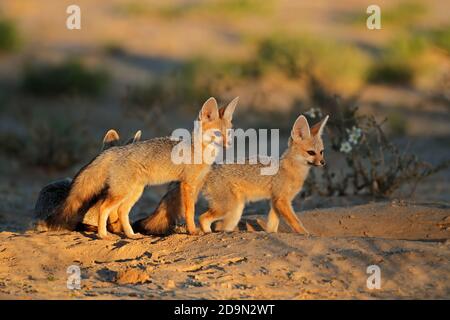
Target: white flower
(354,134)
(353,138)
(346,147)
(313,113)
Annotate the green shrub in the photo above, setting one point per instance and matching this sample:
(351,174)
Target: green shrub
(70,77)
(441,38)
(9,38)
(54,142)
(399,62)
(391,73)
(338,64)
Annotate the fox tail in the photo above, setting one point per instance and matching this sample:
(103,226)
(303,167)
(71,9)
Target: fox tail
(164,218)
(88,187)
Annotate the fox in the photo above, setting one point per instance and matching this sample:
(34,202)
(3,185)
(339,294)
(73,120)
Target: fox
(116,178)
(53,194)
(228,187)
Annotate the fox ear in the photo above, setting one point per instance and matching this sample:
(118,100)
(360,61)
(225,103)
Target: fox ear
(136,138)
(317,129)
(209,110)
(227,112)
(111,139)
(300,130)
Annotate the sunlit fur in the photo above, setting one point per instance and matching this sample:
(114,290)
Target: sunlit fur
(116,178)
(54,194)
(228,187)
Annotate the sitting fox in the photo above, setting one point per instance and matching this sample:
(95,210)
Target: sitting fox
(53,194)
(116,178)
(228,187)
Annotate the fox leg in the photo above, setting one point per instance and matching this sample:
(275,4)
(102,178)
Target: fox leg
(284,208)
(108,205)
(113,222)
(187,196)
(232,217)
(124,212)
(272,221)
(207,218)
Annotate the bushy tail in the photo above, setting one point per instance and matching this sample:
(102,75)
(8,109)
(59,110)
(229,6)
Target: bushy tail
(88,186)
(50,197)
(165,216)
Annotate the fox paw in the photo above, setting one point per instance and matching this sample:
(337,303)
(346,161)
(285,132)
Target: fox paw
(194,232)
(108,237)
(135,236)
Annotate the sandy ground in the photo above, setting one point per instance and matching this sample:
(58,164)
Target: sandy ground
(409,242)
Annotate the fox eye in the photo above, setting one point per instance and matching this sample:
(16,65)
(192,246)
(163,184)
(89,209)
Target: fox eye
(321,151)
(218,134)
(311,152)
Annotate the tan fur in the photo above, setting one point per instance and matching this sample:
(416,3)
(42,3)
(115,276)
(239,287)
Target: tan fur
(55,193)
(124,171)
(228,187)
(110,140)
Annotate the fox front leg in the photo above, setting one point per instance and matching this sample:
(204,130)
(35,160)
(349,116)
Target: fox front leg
(187,195)
(284,208)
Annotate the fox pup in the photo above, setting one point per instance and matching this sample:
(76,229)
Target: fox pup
(228,187)
(116,178)
(53,194)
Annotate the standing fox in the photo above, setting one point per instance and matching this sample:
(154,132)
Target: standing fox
(228,187)
(116,178)
(53,194)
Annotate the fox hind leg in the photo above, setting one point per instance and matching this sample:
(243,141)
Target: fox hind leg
(232,217)
(124,213)
(107,206)
(207,218)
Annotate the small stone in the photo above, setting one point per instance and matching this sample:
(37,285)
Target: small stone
(132,276)
(170,284)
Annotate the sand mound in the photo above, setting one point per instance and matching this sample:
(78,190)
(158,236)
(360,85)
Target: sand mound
(410,244)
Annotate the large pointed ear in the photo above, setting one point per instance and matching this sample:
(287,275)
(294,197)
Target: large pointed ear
(317,129)
(111,139)
(227,112)
(136,138)
(300,130)
(209,111)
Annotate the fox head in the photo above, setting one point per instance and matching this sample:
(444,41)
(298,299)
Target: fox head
(216,123)
(111,139)
(307,143)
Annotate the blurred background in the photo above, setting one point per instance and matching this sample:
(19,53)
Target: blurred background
(149,65)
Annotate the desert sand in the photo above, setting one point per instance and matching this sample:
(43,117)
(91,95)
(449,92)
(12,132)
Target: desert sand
(408,241)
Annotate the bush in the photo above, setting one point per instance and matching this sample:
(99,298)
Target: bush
(56,143)
(372,164)
(400,61)
(441,38)
(339,65)
(70,77)
(189,86)
(9,38)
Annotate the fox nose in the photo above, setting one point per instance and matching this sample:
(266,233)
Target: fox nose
(322,162)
